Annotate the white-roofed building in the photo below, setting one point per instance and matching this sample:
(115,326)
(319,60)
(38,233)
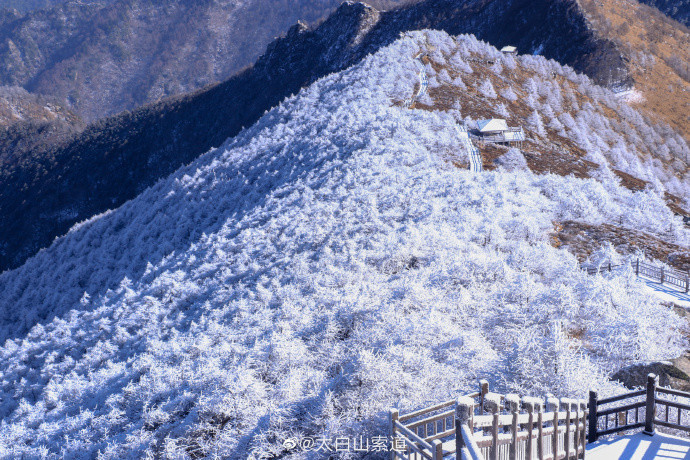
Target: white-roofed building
(492,126)
(509,50)
(497,130)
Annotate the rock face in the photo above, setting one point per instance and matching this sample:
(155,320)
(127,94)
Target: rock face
(115,159)
(670,375)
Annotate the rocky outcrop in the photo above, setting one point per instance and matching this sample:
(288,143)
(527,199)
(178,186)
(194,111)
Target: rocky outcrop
(670,375)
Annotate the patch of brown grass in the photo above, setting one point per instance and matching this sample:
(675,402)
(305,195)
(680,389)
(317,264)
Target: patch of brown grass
(583,239)
(640,30)
(552,153)
(630,182)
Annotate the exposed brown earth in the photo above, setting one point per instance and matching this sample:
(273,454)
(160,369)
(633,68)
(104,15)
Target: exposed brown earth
(583,239)
(657,49)
(550,154)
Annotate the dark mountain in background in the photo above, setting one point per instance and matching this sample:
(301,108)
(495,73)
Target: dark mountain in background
(18,105)
(106,57)
(113,160)
(30,5)
(677,9)
(29,122)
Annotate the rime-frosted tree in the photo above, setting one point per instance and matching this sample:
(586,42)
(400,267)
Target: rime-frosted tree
(458,62)
(458,83)
(443,77)
(487,89)
(508,94)
(535,122)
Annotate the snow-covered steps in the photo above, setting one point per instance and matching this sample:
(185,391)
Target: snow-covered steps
(423,82)
(476,163)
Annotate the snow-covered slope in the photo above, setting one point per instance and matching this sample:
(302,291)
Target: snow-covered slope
(326,264)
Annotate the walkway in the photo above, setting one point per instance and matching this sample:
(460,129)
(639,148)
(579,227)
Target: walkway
(640,447)
(476,164)
(666,292)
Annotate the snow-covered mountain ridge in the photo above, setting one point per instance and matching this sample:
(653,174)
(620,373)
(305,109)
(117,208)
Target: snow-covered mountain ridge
(326,264)
(113,160)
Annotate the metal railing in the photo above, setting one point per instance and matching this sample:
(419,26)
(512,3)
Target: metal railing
(661,275)
(636,409)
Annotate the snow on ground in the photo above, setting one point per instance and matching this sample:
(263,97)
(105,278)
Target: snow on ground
(667,293)
(640,447)
(632,96)
(325,265)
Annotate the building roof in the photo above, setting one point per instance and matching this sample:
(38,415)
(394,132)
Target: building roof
(495,124)
(509,49)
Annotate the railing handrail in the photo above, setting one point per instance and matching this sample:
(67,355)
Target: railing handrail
(481,424)
(426,410)
(469,444)
(671,391)
(612,399)
(673,276)
(650,403)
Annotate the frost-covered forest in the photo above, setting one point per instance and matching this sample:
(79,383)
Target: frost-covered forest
(331,262)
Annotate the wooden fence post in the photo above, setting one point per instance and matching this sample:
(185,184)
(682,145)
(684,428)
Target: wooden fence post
(393,417)
(483,390)
(513,404)
(650,408)
(609,266)
(492,404)
(553,405)
(637,267)
(576,435)
(687,283)
(583,434)
(540,430)
(437,453)
(662,275)
(592,434)
(464,410)
(568,405)
(528,404)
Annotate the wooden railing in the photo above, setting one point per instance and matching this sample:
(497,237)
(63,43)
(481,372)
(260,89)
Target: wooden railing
(486,425)
(637,409)
(429,432)
(514,135)
(623,417)
(489,426)
(661,275)
(604,268)
(521,428)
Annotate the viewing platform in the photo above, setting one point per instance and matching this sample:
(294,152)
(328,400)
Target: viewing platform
(490,426)
(640,446)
